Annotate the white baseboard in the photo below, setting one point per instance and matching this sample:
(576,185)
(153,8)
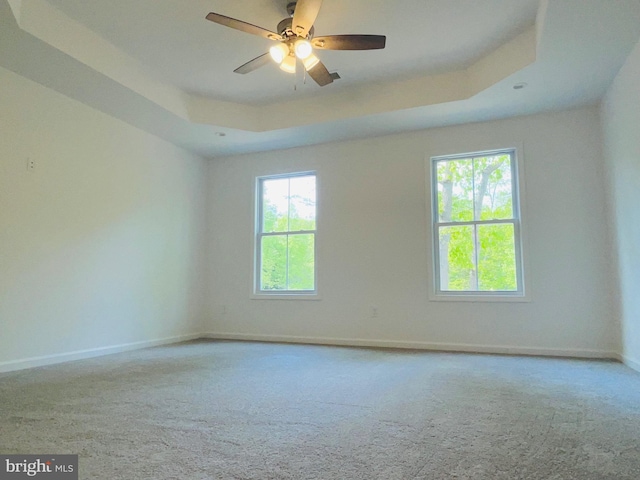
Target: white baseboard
(436,346)
(630,362)
(32,362)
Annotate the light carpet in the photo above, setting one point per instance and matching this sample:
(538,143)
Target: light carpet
(237,410)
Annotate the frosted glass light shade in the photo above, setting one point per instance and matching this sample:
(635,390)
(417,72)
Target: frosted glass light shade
(310,62)
(289,64)
(279,52)
(303,49)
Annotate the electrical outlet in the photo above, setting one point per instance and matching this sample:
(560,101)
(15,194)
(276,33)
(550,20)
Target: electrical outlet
(31,164)
(374,311)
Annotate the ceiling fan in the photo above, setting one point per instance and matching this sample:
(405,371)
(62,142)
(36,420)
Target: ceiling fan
(296,41)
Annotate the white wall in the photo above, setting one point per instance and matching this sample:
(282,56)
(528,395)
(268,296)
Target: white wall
(621,124)
(101,245)
(374,244)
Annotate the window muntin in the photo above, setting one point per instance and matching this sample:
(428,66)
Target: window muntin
(477,225)
(286,234)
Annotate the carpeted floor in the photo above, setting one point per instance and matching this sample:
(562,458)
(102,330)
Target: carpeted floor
(234,410)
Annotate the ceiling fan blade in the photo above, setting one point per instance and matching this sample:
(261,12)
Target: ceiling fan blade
(254,64)
(350,42)
(304,16)
(320,74)
(243,26)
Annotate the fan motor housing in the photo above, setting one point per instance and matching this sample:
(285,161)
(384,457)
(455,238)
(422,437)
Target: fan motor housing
(284,29)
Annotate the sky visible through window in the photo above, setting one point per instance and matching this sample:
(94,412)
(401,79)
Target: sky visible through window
(297,193)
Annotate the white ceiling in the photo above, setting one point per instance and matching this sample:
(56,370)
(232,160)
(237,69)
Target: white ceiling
(159,65)
(175,41)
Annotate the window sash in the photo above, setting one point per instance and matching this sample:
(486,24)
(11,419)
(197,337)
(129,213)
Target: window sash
(294,232)
(477,222)
(259,279)
(517,258)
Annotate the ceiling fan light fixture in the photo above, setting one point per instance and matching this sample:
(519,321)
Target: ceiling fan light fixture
(303,49)
(295,40)
(279,53)
(310,62)
(289,64)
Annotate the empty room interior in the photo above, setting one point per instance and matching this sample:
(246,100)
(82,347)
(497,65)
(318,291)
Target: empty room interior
(320,239)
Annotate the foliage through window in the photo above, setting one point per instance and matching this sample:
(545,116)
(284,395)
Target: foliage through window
(286,233)
(476,224)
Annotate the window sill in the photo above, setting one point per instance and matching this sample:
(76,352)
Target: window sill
(285,296)
(443,297)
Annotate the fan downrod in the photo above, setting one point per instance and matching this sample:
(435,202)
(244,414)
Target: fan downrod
(291,7)
(284,27)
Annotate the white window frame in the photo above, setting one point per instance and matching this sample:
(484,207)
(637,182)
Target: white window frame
(518,295)
(257,293)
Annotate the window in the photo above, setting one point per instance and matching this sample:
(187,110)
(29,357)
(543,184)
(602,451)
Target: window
(286,234)
(476,218)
